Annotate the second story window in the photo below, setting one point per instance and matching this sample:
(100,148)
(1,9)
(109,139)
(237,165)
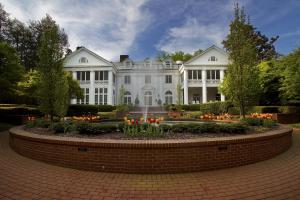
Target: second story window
(194,75)
(168,78)
(101,75)
(83,76)
(127,79)
(213,74)
(147,79)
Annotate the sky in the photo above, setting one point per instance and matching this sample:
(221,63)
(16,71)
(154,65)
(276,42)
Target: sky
(142,28)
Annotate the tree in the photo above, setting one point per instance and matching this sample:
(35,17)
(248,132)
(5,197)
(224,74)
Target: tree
(11,72)
(53,88)
(136,100)
(270,76)
(75,91)
(177,56)
(290,65)
(241,83)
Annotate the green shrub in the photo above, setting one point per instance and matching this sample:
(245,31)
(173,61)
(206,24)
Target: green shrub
(78,110)
(192,115)
(216,107)
(39,122)
(233,128)
(269,109)
(192,107)
(63,127)
(96,128)
(107,115)
(269,123)
(252,121)
(165,127)
(143,130)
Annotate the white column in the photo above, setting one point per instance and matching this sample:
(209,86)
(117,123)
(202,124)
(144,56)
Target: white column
(204,89)
(92,88)
(74,75)
(185,87)
(110,88)
(221,80)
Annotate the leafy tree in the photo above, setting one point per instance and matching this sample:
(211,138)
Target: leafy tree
(75,91)
(270,76)
(241,83)
(53,85)
(178,55)
(198,52)
(290,65)
(11,72)
(163,55)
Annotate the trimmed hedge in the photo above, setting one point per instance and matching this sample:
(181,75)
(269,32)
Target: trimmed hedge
(95,128)
(216,107)
(78,110)
(266,109)
(259,122)
(198,128)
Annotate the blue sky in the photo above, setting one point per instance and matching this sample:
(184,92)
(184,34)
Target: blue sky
(141,28)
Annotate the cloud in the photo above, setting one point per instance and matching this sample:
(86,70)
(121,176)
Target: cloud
(107,27)
(191,36)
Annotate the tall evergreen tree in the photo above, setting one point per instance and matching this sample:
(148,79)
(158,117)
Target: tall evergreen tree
(241,83)
(11,72)
(53,86)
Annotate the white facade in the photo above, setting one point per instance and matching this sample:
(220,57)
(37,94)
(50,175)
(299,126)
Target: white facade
(148,82)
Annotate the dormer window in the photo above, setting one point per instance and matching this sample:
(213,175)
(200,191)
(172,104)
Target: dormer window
(127,64)
(83,60)
(168,64)
(212,58)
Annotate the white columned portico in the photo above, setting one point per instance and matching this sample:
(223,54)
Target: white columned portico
(110,88)
(74,75)
(185,87)
(221,80)
(204,89)
(92,88)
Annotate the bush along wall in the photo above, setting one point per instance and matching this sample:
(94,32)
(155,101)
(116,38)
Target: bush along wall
(266,109)
(78,110)
(217,107)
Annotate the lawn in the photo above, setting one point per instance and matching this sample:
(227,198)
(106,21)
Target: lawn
(5,126)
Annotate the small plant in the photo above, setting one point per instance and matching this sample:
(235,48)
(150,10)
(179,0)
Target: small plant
(269,123)
(252,121)
(96,128)
(37,122)
(63,126)
(143,130)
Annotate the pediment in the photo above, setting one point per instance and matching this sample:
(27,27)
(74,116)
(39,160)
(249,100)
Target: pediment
(92,59)
(211,56)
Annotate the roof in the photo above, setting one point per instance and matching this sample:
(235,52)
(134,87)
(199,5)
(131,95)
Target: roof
(204,52)
(90,52)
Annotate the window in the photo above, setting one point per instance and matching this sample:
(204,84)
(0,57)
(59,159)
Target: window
(168,97)
(190,74)
(194,75)
(128,63)
(168,64)
(114,78)
(101,96)
(148,98)
(212,58)
(101,75)
(127,97)
(83,76)
(147,79)
(168,78)
(86,97)
(127,79)
(83,60)
(213,74)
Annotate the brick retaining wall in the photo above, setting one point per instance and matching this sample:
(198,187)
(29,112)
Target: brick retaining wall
(153,156)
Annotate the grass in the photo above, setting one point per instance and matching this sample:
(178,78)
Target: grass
(295,125)
(5,126)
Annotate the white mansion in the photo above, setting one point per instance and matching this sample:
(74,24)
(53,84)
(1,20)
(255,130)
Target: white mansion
(147,82)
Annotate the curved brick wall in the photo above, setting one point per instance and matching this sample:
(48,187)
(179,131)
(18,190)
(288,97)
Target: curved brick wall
(153,156)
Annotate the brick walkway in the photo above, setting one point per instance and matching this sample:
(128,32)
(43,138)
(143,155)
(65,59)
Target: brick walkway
(23,178)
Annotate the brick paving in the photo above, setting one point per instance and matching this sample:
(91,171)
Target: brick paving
(23,178)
